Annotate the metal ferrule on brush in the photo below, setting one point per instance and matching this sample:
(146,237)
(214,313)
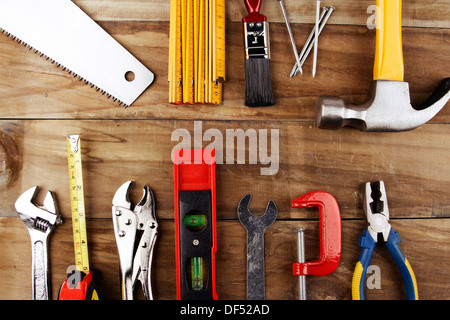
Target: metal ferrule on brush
(257,44)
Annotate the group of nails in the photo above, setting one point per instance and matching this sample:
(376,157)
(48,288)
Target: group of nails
(312,41)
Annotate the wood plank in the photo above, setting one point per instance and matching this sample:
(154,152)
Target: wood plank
(422,244)
(414,165)
(31,87)
(417,13)
(41,104)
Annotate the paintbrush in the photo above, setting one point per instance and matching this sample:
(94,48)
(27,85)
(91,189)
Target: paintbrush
(258,83)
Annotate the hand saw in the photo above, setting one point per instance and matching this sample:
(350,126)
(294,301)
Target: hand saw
(65,35)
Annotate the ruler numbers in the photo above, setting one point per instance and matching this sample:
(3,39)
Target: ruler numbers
(196,51)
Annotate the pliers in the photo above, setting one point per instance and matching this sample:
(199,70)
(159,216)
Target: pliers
(131,226)
(377,214)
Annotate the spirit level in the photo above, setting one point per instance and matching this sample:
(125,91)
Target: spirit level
(195,223)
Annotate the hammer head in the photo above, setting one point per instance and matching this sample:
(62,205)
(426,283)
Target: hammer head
(387,109)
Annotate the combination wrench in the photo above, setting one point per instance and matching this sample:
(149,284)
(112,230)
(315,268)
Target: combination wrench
(256,226)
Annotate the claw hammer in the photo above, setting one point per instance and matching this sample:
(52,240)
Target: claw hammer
(330,235)
(389,105)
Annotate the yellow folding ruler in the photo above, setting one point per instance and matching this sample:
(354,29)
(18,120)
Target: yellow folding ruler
(77,203)
(175,54)
(197,42)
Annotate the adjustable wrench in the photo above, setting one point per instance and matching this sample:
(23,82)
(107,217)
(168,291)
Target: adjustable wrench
(40,222)
(256,226)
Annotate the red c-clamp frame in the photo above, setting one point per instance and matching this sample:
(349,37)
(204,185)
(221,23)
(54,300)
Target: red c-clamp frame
(330,234)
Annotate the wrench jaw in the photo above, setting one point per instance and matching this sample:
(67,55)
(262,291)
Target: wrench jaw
(270,215)
(39,220)
(247,218)
(244,213)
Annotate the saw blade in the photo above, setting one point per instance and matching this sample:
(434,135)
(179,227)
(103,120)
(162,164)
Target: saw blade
(61,32)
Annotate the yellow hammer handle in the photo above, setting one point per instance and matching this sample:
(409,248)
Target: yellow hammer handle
(389,52)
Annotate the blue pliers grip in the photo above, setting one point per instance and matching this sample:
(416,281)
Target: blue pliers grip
(378,218)
(368,244)
(405,268)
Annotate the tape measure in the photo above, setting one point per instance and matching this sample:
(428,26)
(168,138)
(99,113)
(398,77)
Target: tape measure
(77,203)
(80,284)
(197,41)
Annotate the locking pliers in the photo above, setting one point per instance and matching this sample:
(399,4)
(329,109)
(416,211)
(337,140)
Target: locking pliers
(131,226)
(377,214)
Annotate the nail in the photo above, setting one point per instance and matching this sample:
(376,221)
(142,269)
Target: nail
(297,57)
(306,45)
(325,20)
(316,39)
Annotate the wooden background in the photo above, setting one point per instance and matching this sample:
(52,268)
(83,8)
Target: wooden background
(41,104)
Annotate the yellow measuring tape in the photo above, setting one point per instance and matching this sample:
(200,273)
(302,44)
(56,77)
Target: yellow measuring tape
(77,202)
(196,51)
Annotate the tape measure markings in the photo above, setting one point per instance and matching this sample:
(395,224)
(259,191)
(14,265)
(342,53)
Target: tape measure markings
(77,202)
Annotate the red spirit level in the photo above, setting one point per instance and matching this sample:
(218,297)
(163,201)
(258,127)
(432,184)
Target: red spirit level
(195,223)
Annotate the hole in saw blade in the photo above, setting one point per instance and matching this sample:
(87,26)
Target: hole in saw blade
(129,76)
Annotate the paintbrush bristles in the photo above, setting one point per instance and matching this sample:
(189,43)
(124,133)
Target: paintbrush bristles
(258,83)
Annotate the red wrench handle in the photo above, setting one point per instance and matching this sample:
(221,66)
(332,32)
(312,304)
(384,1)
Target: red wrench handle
(253,5)
(330,234)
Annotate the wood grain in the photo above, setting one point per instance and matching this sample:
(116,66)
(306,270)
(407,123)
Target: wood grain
(414,165)
(416,13)
(280,243)
(41,104)
(30,87)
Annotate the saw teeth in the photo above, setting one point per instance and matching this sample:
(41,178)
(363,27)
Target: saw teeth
(63,68)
